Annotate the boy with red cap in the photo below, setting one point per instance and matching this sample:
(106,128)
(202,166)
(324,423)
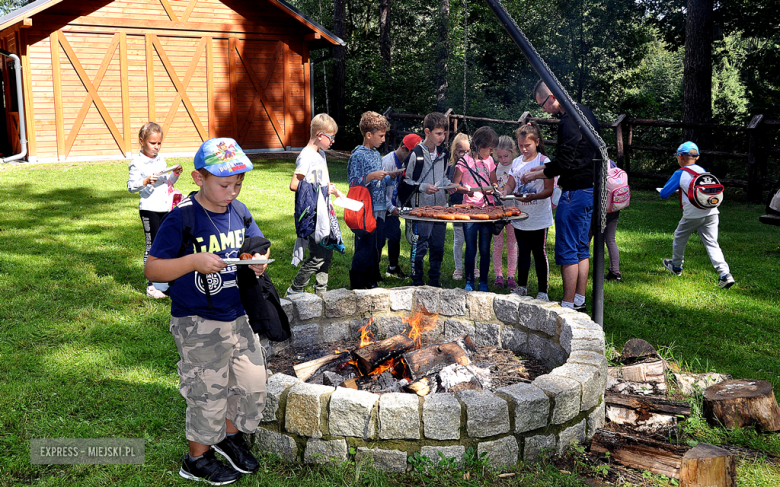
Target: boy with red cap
(394,161)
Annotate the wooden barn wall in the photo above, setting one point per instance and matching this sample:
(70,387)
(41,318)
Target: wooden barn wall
(126,62)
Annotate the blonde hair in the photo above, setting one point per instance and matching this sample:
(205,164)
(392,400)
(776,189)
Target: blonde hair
(506,143)
(531,129)
(456,141)
(323,123)
(148,129)
(373,122)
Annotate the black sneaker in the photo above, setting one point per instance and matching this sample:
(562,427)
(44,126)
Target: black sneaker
(583,308)
(396,272)
(237,453)
(726,281)
(613,276)
(208,469)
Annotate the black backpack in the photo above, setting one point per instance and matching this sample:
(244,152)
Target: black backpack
(406,190)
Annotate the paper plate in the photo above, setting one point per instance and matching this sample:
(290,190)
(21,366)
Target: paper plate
(247,261)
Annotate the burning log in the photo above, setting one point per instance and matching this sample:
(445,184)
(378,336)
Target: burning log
(640,453)
(374,354)
(307,370)
(433,358)
(708,466)
(422,386)
(741,402)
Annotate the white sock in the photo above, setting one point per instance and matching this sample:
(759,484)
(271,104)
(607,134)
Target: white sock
(567,304)
(579,300)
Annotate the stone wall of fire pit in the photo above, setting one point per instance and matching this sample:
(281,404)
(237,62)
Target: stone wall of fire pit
(316,424)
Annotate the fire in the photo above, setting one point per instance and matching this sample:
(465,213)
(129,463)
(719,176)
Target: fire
(366,335)
(419,323)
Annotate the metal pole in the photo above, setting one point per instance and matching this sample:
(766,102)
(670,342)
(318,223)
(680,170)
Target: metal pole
(568,105)
(598,248)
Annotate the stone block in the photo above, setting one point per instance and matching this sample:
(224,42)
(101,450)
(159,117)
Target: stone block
(278,443)
(339,303)
(304,336)
(401,298)
(372,300)
(580,335)
(452,302)
(528,314)
(537,346)
(486,414)
(441,417)
(543,319)
(514,339)
(591,381)
(564,394)
(334,332)
(500,453)
(289,309)
(427,298)
(275,387)
(555,355)
(596,419)
(536,446)
(457,452)
(399,416)
(393,461)
(307,305)
(594,359)
(487,334)
(570,434)
(456,328)
(321,451)
(531,406)
(390,325)
(506,307)
(304,409)
(480,305)
(350,413)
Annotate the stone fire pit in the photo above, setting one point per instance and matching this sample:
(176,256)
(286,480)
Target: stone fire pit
(316,424)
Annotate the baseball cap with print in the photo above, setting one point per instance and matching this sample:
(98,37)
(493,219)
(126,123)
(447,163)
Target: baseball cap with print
(688,149)
(411,140)
(222,157)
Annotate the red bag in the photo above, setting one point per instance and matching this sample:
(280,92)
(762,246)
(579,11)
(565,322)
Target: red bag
(361,222)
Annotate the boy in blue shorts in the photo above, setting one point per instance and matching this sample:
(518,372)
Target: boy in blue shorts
(702,221)
(221,369)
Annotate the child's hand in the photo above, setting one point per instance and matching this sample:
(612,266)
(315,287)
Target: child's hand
(376,175)
(208,263)
(260,268)
(431,189)
(177,170)
(151,179)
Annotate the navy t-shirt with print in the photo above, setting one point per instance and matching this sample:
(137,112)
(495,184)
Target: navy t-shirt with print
(187,294)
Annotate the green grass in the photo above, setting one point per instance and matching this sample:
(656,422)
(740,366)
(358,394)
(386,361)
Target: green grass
(84,353)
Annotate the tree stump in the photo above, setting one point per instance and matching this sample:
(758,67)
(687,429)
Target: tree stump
(708,466)
(742,402)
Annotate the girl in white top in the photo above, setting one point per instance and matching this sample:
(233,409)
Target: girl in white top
(148,177)
(505,152)
(532,198)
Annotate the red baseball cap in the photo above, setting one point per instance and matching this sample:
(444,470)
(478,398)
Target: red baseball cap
(411,140)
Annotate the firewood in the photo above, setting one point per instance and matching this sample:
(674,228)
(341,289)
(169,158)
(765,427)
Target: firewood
(374,354)
(465,343)
(306,370)
(422,386)
(637,349)
(366,383)
(639,452)
(645,414)
(433,358)
(708,466)
(742,402)
(644,378)
(648,404)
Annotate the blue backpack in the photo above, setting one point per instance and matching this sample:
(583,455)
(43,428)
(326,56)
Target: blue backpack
(306,208)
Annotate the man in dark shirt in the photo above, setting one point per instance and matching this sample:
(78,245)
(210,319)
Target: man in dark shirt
(573,164)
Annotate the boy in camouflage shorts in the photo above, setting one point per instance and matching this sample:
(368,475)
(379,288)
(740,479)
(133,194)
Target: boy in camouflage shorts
(222,368)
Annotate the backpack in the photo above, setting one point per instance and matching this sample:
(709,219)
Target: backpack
(704,190)
(306,208)
(773,207)
(405,190)
(361,222)
(618,192)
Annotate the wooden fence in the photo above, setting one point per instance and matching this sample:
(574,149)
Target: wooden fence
(758,132)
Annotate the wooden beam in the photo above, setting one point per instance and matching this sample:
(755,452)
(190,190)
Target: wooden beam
(312,37)
(56,77)
(210,86)
(220,28)
(169,10)
(29,110)
(261,93)
(187,78)
(190,7)
(287,87)
(233,82)
(125,93)
(150,77)
(26,23)
(256,105)
(306,90)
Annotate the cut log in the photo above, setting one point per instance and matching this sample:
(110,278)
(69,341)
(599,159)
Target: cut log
(648,404)
(637,349)
(708,466)
(422,386)
(742,402)
(366,383)
(644,378)
(306,370)
(645,414)
(640,453)
(374,354)
(433,358)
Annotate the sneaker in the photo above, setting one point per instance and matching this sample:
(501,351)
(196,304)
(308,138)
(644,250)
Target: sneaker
(542,297)
(469,286)
(483,287)
(613,276)
(677,271)
(583,308)
(237,453)
(510,283)
(457,275)
(726,281)
(396,272)
(499,282)
(155,293)
(476,273)
(520,291)
(209,469)
(290,291)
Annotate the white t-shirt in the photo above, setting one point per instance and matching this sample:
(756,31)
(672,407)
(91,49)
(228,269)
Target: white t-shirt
(690,212)
(539,211)
(155,196)
(313,166)
(502,176)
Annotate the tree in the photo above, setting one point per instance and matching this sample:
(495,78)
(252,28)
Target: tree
(384,36)
(697,79)
(339,56)
(443,54)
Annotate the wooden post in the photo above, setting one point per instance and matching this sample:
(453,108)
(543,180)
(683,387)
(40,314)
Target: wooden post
(523,117)
(618,126)
(447,140)
(627,155)
(708,466)
(754,189)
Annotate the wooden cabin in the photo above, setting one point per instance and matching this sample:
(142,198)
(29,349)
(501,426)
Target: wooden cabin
(94,71)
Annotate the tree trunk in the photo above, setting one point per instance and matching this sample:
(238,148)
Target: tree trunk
(697,77)
(443,55)
(742,402)
(339,57)
(384,37)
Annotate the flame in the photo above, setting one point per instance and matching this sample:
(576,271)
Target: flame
(419,323)
(366,335)
(388,365)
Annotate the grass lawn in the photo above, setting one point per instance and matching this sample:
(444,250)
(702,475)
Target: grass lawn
(84,352)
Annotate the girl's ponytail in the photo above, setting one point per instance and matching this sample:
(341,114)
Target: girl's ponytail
(531,129)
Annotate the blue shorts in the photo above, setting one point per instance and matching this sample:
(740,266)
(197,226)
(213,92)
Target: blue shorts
(572,224)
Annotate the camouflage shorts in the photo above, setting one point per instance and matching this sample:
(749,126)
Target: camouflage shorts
(222,376)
